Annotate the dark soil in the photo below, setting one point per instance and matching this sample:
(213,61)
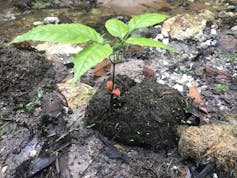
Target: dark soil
(146,114)
(22,73)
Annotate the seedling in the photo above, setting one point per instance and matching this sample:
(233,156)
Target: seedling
(221,87)
(96,47)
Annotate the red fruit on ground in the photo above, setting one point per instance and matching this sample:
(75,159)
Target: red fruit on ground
(116,92)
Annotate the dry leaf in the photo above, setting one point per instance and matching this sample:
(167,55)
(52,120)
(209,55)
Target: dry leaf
(148,72)
(194,94)
(101,68)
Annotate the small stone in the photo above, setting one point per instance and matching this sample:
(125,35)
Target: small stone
(11,16)
(159,37)
(51,20)
(32,153)
(234,28)
(161,81)
(208,43)
(213,31)
(37,23)
(4,169)
(178,87)
(165,41)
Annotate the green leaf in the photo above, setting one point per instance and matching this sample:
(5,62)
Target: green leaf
(145,20)
(116,28)
(89,57)
(141,41)
(61,33)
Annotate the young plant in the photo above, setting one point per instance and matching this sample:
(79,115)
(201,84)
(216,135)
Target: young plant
(97,48)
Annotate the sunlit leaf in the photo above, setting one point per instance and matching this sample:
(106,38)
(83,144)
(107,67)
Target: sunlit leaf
(141,41)
(145,20)
(116,28)
(89,57)
(61,33)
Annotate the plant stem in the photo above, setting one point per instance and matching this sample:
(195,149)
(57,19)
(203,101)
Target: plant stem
(113,80)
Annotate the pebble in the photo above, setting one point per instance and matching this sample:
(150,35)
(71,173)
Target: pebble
(215,175)
(234,28)
(208,43)
(178,87)
(165,41)
(37,23)
(4,170)
(33,153)
(213,31)
(51,20)
(159,37)
(10,16)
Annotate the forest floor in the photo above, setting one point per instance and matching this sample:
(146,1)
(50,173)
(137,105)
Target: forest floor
(65,143)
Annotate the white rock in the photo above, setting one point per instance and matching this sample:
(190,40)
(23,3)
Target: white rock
(159,37)
(33,153)
(51,20)
(165,41)
(234,28)
(160,81)
(178,87)
(37,23)
(3,170)
(214,175)
(187,26)
(213,31)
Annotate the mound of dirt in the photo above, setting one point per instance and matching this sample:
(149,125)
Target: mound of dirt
(146,114)
(21,73)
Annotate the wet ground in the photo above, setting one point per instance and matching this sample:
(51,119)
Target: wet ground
(41,137)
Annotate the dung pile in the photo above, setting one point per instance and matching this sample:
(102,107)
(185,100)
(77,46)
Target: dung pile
(211,143)
(146,114)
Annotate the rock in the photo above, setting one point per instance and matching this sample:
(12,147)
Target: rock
(227,43)
(208,43)
(234,28)
(178,87)
(187,26)
(36,23)
(211,143)
(51,20)
(77,95)
(213,32)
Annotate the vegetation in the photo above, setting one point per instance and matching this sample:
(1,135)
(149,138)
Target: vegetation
(221,87)
(97,48)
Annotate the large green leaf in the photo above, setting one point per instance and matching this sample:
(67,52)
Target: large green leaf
(116,28)
(141,41)
(61,33)
(89,57)
(145,20)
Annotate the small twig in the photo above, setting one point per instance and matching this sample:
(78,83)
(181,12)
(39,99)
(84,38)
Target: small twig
(61,148)
(57,163)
